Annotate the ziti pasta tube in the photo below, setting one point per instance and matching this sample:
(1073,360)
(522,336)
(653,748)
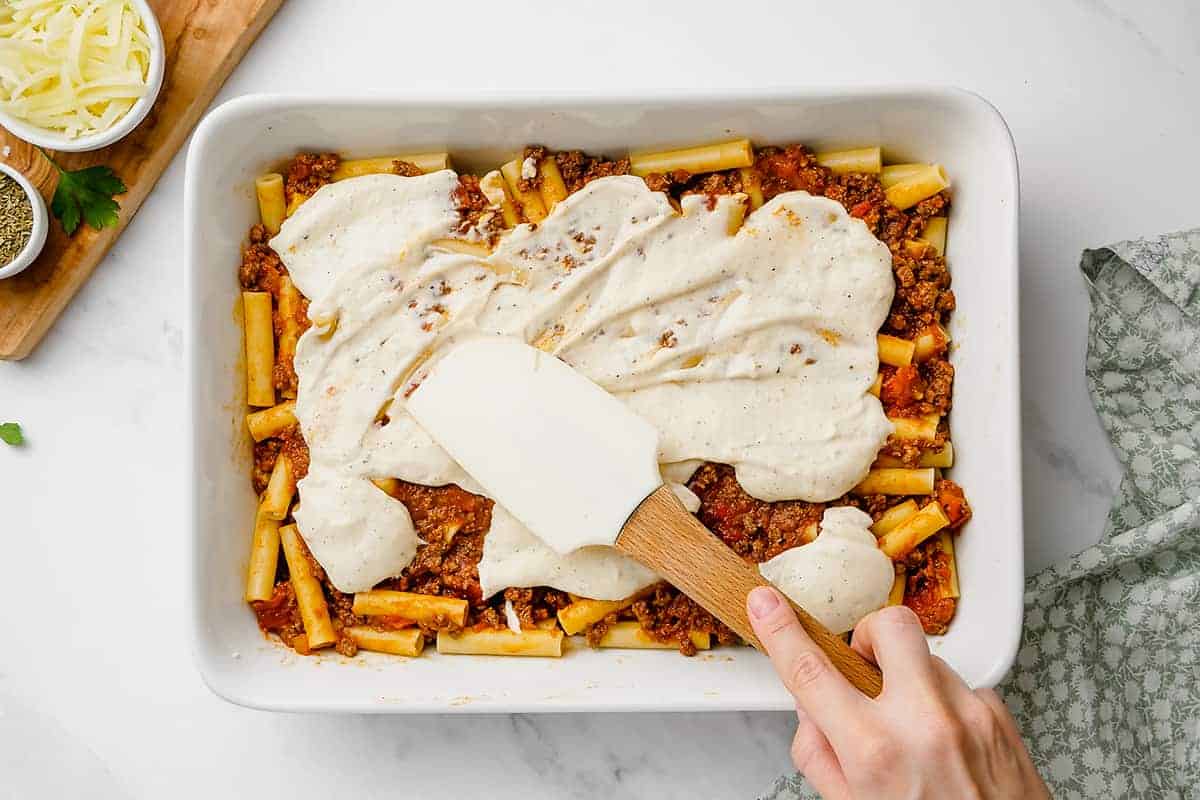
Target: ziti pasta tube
(271,421)
(904,538)
(409,605)
(919,186)
(584,612)
(631,635)
(404,642)
(314,612)
(930,342)
(426,162)
(894,351)
(897,481)
(553,188)
(277,499)
(935,234)
(496,190)
(264,557)
(924,427)
(892,174)
(862,159)
(705,158)
(530,200)
(896,595)
(289,310)
(893,517)
(260,348)
(272,208)
(534,642)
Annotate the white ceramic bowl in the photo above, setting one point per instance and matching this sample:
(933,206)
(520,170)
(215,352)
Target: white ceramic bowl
(56,141)
(41,224)
(249,135)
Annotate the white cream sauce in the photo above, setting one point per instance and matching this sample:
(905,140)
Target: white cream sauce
(839,577)
(360,253)
(755,349)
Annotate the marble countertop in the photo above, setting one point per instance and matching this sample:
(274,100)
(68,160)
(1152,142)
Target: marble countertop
(98,696)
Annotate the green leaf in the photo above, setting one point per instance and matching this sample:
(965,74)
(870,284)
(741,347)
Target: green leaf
(10,433)
(66,209)
(86,194)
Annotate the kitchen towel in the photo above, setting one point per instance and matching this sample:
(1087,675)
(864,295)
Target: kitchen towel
(1106,686)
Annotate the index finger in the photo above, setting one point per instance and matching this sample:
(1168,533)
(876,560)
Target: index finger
(822,692)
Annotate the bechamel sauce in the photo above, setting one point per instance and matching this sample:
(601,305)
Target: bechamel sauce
(839,577)
(755,349)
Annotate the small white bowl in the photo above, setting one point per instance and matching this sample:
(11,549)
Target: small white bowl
(52,140)
(37,236)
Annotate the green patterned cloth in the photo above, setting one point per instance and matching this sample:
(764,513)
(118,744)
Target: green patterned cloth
(1106,687)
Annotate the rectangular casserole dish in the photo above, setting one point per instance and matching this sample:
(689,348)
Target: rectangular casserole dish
(245,136)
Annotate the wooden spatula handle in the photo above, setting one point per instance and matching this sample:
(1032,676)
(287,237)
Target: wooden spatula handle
(666,538)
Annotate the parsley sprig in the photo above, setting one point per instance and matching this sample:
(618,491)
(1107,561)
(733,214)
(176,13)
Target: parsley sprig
(10,433)
(86,194)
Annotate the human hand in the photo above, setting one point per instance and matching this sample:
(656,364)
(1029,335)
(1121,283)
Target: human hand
(928,735)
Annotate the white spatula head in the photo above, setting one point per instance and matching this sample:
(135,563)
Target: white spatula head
(566,458)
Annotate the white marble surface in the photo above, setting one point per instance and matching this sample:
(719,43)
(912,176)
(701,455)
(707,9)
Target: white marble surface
(1102,99)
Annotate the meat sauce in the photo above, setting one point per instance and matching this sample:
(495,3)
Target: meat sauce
(452,522)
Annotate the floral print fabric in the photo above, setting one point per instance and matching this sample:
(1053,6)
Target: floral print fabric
(1106,686)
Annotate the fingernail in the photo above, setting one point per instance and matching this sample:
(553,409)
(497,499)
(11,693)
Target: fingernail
(762,601)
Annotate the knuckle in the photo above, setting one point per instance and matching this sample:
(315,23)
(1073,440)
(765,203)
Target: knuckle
(805,745)
(806,669)
(944,733)
(897,616)
(878,754)
(980,719)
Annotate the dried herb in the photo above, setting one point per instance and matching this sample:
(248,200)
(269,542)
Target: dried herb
(16,219)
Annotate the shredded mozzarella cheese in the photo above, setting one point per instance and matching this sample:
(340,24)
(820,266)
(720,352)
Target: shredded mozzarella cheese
(72,66)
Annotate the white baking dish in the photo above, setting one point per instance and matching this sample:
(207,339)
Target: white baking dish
(243,137)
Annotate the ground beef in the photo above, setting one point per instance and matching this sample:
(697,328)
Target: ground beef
(308,172)
(406,169)
(265,453)
(918,389)
(261,268)
(901,388)
(537,604)
(669,615)
(578,169)
(953,501)
(283,374)
(713,184)
(293,446)
(280,615)
(910,450)
(667,181)
(537,153)
(927,570)
(474,210)
(755,529)
(451,521)
(939,381)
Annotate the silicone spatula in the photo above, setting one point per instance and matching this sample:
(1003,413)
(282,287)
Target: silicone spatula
(578,468)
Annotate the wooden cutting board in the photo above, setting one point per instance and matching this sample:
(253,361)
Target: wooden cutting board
(205,39)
